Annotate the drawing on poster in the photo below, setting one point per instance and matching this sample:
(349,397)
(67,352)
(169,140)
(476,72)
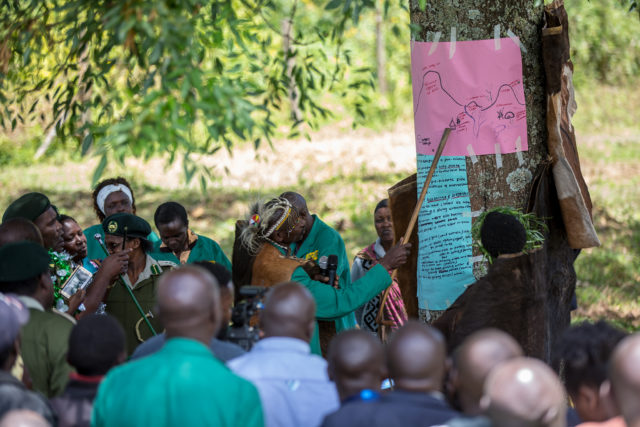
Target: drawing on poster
(478,93)
(444,233)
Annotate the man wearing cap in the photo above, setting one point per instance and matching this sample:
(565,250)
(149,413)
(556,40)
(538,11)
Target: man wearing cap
(13,394)
(112,195)
(24,271)
(127,232)
(37,208)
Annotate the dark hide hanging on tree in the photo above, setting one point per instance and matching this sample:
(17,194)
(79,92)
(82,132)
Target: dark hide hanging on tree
(572,190)
(527,295)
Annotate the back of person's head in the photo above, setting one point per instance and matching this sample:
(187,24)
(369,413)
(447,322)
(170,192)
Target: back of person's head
(416,357)
(584,353)
(625,378)
(23,418)
(355,362)
(502,234)
(289,311)
(189,303)
(473,360)
(524,392)
(169,212)
(17,229)
(13,315)
(217,270)
(96,344)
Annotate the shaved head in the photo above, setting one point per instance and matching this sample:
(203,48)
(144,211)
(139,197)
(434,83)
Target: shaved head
(416,358)
(289,311)
(17,229)
(189,303)
(356,362)
(295,199)
(625,378)
(524,392)
(478,354)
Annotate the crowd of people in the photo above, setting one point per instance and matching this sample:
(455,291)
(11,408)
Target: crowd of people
(118,325)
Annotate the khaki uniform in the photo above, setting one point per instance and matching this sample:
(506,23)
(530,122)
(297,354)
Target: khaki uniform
(121,306)
(44,345)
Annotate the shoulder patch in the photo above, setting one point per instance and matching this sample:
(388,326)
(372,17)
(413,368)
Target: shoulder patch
(165,265)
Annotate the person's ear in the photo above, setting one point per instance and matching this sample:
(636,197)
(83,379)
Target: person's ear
(135,243)
(311,328)
(589,396)
(279,236)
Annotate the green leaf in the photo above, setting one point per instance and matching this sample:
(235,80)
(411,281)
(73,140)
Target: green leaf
(86,143)
(97,173)
(333,4)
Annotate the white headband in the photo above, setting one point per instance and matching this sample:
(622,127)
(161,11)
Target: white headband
(104,193)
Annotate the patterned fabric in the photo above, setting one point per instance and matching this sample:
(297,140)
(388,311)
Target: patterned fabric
(394,309)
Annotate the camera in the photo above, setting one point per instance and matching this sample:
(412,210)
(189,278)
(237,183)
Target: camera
(241,332)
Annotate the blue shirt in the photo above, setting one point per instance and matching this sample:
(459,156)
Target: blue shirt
(294,386)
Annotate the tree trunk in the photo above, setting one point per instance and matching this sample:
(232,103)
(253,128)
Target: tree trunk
(542,309)
(381,58)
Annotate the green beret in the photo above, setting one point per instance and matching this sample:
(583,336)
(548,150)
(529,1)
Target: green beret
(29,206)
(135,226)
(22,260)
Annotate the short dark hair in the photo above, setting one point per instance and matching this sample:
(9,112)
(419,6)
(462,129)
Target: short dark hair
(5,353)
(217,270)
(62,218)
(95,344)
(21,287)
(145,244)
(585,350)
(111,181)
(169,211)
(384,203)
(502,234)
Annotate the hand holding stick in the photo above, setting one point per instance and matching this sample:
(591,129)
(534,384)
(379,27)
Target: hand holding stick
(414,217)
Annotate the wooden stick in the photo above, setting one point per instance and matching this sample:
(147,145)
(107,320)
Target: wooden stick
(414,216)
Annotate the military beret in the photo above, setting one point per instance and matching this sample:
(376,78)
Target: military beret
(22,260)
(29,206)
(135,226)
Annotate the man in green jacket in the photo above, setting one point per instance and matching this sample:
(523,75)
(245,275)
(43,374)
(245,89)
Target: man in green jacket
(322,240)
(127,232)
(24,271)
(179,243)
(183,384)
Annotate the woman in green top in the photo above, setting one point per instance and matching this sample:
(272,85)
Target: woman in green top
(113,195)
(274,224)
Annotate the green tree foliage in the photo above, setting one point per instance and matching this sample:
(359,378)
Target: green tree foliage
(182,77)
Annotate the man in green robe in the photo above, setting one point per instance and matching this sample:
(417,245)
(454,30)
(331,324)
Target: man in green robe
(111,196)
(321,240)
(182,384)
(24,271)
(127,232)
(181,245)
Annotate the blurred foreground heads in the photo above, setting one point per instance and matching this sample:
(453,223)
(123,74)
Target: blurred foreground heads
(183,383)
(294,387)
(524,392)
(624,375)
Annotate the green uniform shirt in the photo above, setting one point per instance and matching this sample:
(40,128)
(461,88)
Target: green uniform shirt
(205,249)
(183,385)
(324,241)
(332,303)
(94,251)
(44,345)
(121,306)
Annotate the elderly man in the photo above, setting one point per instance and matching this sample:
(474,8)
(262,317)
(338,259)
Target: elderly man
(319,240)
(37,208)
(183,384)
(524,392)
(24,270)
(294,387)
(125,232)
(625,379)
(182,245)
(13,394)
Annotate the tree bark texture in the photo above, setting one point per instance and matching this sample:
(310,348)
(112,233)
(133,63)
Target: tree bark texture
(529,296)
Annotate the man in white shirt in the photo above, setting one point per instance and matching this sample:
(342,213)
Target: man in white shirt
(293,383)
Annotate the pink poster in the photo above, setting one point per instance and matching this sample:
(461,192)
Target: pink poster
(473,87)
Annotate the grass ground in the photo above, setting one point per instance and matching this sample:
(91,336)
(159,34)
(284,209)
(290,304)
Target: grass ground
(344,173)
